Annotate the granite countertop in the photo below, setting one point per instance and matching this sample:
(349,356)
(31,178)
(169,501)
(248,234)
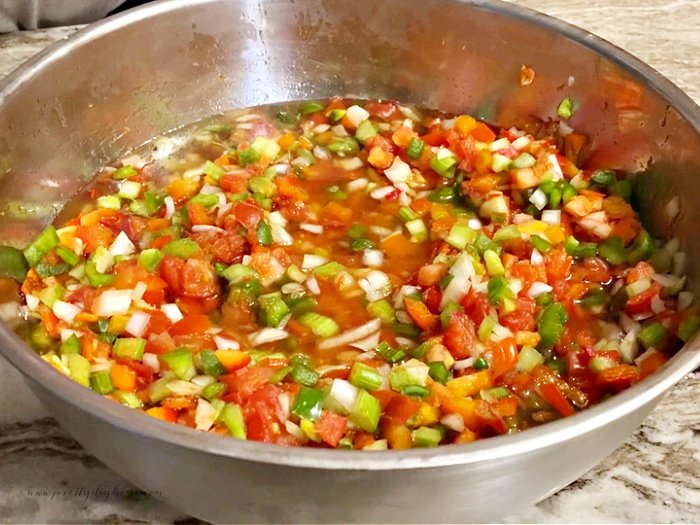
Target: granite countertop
(46,477)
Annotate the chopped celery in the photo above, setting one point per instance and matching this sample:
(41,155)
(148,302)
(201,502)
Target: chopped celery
(239,272)
(366,411)
(264,234)
(344,146)
(415,391)
(329,270)
(213,391)
(439,372)
(391,354)
(494,266)
(205,199)
(79,369)
(540,244)
(417,229)
(320,325)
(129,347)
(688,328)
(445,194)
(651,334)
(96,278)
(498,289)
(232,416)
(70,345)
(381,309)
(426,437)
(124,173)
(460,235)
(181,362)
(128,399)
(101,382)
(248,156)
(528,358)
(567,107)
(51,294)
(444,166)
(365,376)
(68,256)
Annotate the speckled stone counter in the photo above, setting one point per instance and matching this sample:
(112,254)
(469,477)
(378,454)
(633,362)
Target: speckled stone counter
(46,477)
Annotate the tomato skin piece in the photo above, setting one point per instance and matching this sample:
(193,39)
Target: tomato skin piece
(331,427)
(191,325)
(504,356)
(459,335)
(554,397)
(619,377)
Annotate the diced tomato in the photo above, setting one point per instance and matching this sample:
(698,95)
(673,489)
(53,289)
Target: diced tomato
(192,324)
(460,335)
(94,236)
(191,278)
(199,214)
(641,303)
(557,264)
(641,271)
(482,133)
(228,247)
(247,380)
(432,297)
(233,359)
(523,317)
(383,110)
(157,324)
(245,213)
(233,183)
(330,427)
(477,306)
(650,364)
(260,413)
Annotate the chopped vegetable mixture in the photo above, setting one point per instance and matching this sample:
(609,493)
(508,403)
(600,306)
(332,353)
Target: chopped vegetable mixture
(356,275)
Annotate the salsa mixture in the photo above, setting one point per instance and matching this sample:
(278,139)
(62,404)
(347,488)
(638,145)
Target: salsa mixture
(357,275)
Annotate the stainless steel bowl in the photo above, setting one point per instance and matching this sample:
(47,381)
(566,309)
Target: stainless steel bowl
(122,81)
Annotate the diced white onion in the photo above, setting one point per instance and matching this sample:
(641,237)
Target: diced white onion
(169,207)
(463,363)
(292,288)
(103,260)
(679,259)
(350,336)
(627,324)
(281,236)
(373,258)
(673,245)
(555,168)
(657,304)
(311,228)
(312,261)
(203,380)
(181,387)
(247,117)
(357,184)
(138,291)
(339,130)
(629,347)
(67,332)
(65,311)
(296,431)
(538,288)
(122,245)
(205,415)
(474,224)
(344,394)
(199,228)
(172,312)
(500,332)
(285,404)
(368,343)
(267,335)
(551,216)
(539,199)
(208,189)
(355,115)
(151,361)
(225,343)
(673,208)
(399,171)
(321,128)
(312,285)
(685,299)
(32,301)
(112,302)
(376,285)
(453,422)
(382,192)
(521,142)
(134,160)
(193,173)
(137,323)
(351,164)
(536,258)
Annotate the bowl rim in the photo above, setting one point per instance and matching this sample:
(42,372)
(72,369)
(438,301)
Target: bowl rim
(645,392)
